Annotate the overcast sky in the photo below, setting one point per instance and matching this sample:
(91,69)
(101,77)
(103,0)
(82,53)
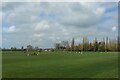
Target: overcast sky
(43,24)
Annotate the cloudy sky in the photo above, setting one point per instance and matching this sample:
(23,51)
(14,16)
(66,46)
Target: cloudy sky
(45,23)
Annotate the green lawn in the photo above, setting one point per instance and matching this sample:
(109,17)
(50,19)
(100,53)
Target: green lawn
(60,65)
(0,64)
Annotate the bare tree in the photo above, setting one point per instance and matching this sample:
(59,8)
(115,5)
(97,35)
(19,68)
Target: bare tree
(29,48)
(72,44)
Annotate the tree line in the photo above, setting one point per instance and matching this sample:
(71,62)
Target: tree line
(106,44)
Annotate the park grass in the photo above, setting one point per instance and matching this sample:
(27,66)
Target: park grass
(0,64)
(60,65)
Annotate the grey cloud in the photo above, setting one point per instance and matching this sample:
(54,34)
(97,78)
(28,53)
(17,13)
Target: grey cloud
(8,6)
(65,21)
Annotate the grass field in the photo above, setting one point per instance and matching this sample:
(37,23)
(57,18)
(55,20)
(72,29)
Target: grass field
(60,65)
(0,64)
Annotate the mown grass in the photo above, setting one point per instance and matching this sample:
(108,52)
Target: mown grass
(60,65)
(0,64)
